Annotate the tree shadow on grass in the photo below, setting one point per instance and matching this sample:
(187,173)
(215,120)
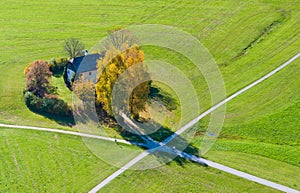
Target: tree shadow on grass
(147,142)
(64,121)
(61,120)
(178,143)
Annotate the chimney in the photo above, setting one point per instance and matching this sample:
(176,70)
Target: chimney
(86,53)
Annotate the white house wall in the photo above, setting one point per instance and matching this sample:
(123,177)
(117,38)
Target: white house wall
(70,74)
(91,75)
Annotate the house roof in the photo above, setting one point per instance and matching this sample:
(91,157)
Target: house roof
(86,63)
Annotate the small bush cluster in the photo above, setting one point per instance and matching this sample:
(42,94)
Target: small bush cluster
(39,94)
(49,104)
(57,66)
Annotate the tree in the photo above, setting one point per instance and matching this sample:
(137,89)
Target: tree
(110,69)
(84,90)
(26,69)
(73,47)
(121,39)
(37,78)
(57,66)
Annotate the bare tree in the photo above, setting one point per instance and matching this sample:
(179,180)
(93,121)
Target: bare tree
(73,47)
(120,39)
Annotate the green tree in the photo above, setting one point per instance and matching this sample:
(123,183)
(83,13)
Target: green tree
(73,47)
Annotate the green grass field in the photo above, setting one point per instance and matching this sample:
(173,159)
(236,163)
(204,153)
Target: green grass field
(174,178)
(258,165)
(65,164)
(247,40)
(45,162)
(63,92)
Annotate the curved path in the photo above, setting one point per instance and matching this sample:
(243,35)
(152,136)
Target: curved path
(71,133)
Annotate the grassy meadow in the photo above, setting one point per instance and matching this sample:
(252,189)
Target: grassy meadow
(45,162)
(189,178)
(247,40)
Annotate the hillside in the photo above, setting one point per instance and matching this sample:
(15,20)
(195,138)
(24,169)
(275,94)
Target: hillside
(246,39)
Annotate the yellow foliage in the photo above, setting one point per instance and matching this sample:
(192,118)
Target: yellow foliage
(26,69)
(109,70)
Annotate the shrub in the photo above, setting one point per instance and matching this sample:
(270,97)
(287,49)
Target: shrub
(50,104)
(51,67)
(57,66)
(30,99)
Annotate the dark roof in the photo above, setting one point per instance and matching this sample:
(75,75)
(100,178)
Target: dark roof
(86,63)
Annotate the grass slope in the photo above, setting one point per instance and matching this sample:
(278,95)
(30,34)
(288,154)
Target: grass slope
(189,178)
(63,92)
(261,166)
(46,162)
(37,31)
(247,40)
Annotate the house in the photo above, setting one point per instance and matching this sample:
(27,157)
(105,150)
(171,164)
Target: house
(84,65)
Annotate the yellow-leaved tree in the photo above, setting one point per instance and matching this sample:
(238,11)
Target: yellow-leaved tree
(111,67)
